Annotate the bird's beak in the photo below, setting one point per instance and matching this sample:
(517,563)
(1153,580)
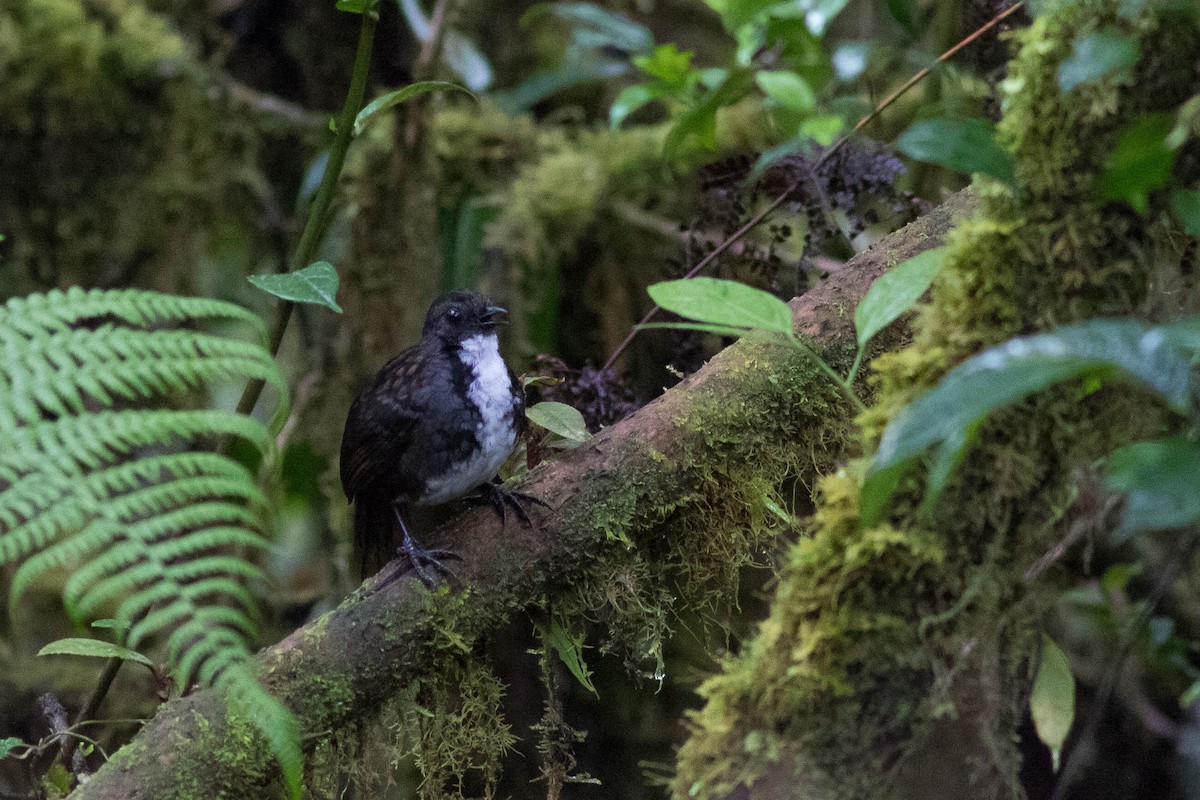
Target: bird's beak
(489,316)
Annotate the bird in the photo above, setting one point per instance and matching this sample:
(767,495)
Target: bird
(436,421)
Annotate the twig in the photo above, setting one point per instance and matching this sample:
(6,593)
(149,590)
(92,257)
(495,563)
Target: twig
(783,196)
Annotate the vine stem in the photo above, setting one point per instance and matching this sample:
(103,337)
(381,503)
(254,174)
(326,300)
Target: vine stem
(310,239)
(757,219)
(319,214)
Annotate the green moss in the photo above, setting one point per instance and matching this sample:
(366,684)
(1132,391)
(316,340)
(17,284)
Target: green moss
(872,630)
(116,156)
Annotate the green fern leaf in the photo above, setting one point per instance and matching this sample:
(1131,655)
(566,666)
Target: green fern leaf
(107,475)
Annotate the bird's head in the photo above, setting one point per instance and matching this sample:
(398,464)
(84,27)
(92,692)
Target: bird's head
(456,317)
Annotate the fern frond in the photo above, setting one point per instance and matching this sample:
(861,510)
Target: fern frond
(59,310)
(78,444)
(102,478)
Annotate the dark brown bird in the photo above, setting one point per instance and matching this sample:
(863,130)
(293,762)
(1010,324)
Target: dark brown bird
(437,420)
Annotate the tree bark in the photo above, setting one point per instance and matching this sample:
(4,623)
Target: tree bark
(755,412)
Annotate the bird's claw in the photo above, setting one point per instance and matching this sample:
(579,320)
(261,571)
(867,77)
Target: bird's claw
(501,499)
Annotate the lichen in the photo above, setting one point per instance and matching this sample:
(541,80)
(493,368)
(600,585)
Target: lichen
(872,631)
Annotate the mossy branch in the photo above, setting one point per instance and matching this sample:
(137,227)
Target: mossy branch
(663,480)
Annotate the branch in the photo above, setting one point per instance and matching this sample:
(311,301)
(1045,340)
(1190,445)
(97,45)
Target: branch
(649,479)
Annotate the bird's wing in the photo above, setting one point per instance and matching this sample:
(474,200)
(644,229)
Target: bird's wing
(380,425)
(520,422)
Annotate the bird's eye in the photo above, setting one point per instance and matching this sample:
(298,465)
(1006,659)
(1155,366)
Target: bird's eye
(453,313)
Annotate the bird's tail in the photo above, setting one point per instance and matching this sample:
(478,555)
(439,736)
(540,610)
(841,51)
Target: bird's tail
(374,533)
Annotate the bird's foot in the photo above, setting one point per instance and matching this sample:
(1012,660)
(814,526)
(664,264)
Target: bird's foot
(500,499)
(428,563)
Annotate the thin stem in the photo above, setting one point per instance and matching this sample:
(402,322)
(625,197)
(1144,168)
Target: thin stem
(318,214)
(842,383)
(783,196)
(310,240)
(858,357)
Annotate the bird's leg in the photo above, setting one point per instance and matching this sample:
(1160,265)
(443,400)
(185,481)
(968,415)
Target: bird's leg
(422,558)
(500,499)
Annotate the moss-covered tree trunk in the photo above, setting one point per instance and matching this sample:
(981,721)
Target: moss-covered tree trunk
(896,659)
(668,503)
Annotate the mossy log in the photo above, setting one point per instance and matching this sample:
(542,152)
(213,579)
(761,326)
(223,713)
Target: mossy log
(684,476)
(897,658)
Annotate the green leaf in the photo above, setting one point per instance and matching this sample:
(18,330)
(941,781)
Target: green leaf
(722,302)
(561,419)
(93,648)
(819,13)
(1140,163)
(699,123)
(353,6)
(570,649)
(963,145)
(895,292)
(112,624)
(316,284)
(1161,481)
(631,99)
(668,63)
(1185,205)
(525,95)
(391,99)
(905,12)
(1191,695)
(8,745)
(596,27)
(458,52)
(1093,57)
(1012,371)
(787,89)
(1052,703)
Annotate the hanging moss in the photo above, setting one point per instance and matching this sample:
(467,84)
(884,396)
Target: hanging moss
(116,155)
(875,633)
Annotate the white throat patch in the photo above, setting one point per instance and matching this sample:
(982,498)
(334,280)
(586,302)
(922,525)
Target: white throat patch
(490,390)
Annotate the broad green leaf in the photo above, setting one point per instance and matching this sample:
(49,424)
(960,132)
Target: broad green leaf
(787,89)
(1140,163)
(823,128)
(353,6)
(570,650)
(668,63)
(963,145)
(895,292)
(316,284)
(531,91)
(458,52)
(596,27)
(736,13)
(8,745)
(906,12)
(699,123)
(631,99)
(819,13)
(1052,703)
(1191,695)
(1161,481)
(93,648)
(381,104)
(1012,371)
(1093,57)
(561,419)
(725,303)
(1185,205)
